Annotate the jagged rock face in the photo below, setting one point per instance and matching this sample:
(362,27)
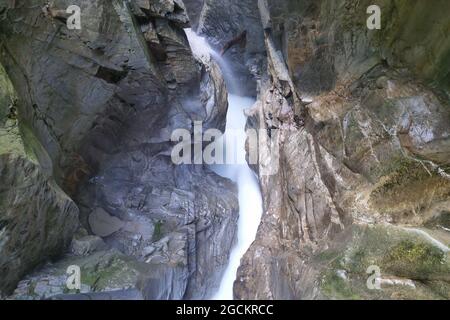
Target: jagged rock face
(102,271)
(321,50)
(103,102)
(10,140)
(37,219)
(363,133)
(361,119)
(221,21)
(107,76)
(178,221)
(194,9)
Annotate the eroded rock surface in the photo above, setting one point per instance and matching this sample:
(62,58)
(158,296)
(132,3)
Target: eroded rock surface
(363,134)
(37,220)
(194,9)
(221,21)
(360,117)
(103,102)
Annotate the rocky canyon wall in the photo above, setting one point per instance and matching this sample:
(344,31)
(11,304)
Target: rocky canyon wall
(361,118)
(37,219)
(223,21)
(96,108)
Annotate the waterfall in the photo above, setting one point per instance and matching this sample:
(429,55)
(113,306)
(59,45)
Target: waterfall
(202,50)
(250,200)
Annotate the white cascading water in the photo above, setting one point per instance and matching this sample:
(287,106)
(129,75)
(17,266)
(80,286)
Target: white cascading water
(250,201)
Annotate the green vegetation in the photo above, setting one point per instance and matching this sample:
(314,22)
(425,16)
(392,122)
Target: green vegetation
(398,254)
(158,232)
(336,287)
(402,172)
(116,273)
(10,139)
(416,260)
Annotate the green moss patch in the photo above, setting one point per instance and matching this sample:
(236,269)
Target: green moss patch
(416,260)
(398,253)
(335,287)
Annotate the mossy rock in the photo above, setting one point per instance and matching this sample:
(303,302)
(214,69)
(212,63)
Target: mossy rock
(398,253)
(102,271)
(442,288)
(105,271)
(6,94)
(416,260)
(335,287)
(406,188)
(10,138)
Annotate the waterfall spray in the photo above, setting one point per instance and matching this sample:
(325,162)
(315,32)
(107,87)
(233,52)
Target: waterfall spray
(250,201)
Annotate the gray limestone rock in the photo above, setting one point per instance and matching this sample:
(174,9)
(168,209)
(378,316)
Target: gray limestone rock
(102,103)
(363,137)
(221,21)
(102,224)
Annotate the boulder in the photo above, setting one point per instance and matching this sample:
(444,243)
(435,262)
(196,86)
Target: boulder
(102,224)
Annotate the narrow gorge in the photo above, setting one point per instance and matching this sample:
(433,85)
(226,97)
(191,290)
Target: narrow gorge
(346,175)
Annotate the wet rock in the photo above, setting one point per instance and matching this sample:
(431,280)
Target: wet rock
(172,10)
(214,96)
(194,9)
(177,231)
(236,16)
